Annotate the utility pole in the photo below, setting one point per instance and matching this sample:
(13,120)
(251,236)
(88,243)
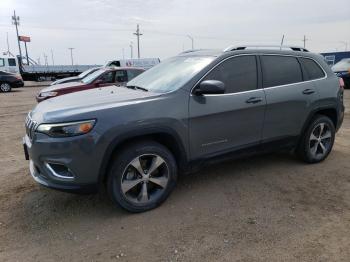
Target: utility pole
(45,57)
(131,49)
(304,40)
(25,45)
(138,34)
(53,61)
(71,54)
(15,21)
(192,40)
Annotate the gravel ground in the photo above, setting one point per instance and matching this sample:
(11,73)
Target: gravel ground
(265,208)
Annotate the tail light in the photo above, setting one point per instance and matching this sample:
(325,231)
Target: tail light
(341,83)
(18,76)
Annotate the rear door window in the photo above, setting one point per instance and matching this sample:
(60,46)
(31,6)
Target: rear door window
(239,74)
(12,62)
(313,70)
(2,62)
(280,70)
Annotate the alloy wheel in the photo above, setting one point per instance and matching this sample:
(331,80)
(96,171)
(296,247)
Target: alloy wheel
(5,87)
(320,140)
(144,179)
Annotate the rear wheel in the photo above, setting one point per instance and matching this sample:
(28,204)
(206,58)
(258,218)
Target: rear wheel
(318,140)
(142,176)
(5,87)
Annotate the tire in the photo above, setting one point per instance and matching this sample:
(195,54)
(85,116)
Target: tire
(317,141)
(134,184)
(5,87)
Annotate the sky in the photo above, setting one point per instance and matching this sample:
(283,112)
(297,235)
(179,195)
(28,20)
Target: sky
(99,30)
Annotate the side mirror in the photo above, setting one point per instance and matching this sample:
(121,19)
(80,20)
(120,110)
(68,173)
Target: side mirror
(209,87)
(98,82)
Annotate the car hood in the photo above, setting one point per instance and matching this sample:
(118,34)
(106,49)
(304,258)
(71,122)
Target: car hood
(63,80)
(62,108)
(62,86)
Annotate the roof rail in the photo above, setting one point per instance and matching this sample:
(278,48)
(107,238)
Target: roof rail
(293,48)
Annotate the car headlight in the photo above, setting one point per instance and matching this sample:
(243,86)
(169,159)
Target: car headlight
(48,94)
(67,129)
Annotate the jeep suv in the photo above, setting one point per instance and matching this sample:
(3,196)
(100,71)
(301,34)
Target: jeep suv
(192,109)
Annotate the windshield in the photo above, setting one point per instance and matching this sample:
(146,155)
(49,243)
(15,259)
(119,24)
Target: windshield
(171,74)
(90,78)
(87,72)
(342,65)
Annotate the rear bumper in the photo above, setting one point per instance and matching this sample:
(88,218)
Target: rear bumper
(18,83)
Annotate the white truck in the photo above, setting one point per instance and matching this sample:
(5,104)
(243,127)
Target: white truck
(145,63)
(39,72)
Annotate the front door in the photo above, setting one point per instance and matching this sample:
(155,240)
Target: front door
(229,121)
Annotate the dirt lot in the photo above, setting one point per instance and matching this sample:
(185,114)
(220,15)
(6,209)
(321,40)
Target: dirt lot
(266,208)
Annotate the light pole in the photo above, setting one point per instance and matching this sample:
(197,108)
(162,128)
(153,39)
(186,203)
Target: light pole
(53,61)
(71,54)
(345,44)
(190,37)
(131,49)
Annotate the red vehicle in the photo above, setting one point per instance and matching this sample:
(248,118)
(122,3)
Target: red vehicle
(103,77)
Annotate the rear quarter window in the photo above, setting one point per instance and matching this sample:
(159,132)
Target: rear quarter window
(280,70)
(12,62)
(312,69)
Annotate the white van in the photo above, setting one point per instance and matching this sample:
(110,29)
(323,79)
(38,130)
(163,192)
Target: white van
(145,63)
(9,64)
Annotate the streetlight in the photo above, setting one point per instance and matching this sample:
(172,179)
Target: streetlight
(346,45)
(71,54)
(131,49)
(190,37)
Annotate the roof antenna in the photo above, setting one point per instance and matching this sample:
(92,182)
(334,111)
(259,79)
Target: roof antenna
(282,42)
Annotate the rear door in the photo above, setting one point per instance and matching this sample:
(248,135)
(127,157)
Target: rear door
(234,120)
(121,77)
(289,97)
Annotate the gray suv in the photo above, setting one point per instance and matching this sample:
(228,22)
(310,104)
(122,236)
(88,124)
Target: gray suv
(191,110)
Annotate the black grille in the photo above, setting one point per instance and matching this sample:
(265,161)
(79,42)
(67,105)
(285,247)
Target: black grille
(30,127)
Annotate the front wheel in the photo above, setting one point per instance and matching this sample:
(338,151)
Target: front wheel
(318,140)
(5,87)
(142,176)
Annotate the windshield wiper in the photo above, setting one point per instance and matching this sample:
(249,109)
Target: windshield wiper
(137,87)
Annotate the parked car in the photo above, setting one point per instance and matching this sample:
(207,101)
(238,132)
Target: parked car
(190,110)
(76,78)
(102,77)
(342,69)
(9,81)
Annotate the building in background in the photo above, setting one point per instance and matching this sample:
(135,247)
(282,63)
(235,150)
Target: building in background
(334,57)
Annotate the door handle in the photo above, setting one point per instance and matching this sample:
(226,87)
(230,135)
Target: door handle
(308,91)
(254,100)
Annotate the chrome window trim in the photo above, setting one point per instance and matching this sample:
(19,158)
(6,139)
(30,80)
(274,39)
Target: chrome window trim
(270,87)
